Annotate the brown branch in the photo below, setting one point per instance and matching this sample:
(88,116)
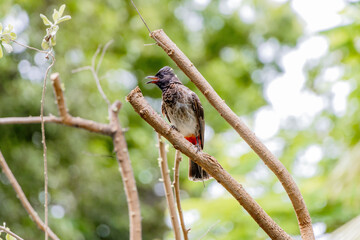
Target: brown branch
(260,149)
(209,163)
(122,155)
(69,120)
(178,159)
(19,192)
(167,187)
(29,120)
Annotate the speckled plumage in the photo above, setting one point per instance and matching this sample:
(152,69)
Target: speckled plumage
(183,109)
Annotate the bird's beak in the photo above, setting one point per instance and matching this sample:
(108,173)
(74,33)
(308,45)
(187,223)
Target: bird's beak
(154,79)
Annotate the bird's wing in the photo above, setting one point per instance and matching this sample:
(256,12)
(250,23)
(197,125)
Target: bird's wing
(164,112)
(199,113)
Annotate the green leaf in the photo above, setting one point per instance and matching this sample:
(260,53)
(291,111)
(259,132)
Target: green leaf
(61,10)
(1,52)
(1,27)
(55,15)
(53,40)
(6,38)
(9,237)
(13,36)
(64,18)
(9,28)
(45,45)
(45,20)
(7,47)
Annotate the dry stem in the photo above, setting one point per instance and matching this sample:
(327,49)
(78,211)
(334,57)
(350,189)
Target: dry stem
(178,159)
(260,149)
(19,192)
(209,163)
(167,187)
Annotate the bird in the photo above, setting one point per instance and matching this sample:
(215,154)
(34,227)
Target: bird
(183,109)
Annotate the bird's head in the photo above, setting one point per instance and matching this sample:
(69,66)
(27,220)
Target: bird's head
(163,78)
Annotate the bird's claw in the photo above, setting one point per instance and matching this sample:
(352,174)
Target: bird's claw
(173,127)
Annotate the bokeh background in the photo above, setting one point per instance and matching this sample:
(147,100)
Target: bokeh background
(288,68)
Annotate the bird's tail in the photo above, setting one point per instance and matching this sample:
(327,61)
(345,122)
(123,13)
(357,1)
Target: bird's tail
(196,173)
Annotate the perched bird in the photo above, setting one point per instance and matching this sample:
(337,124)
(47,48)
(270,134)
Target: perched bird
(183,109)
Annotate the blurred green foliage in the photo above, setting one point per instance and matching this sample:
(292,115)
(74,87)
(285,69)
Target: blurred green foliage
(87,197)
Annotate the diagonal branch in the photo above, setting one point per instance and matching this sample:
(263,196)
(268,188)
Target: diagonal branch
(19,192)
(167,187)
(259,148)
(209,163)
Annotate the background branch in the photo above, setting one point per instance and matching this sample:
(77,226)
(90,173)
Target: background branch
(112,129)
(209,163)
(259,148)
(177,161)
(127,174)
(167,187)
(20,194)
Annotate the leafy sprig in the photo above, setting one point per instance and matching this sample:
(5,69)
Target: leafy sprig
(6,37)
(49,39)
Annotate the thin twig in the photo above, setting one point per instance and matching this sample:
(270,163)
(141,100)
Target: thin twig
(94,70)
(44,145)
(24,201)
(32,48)
(209,163)
(4,229)
(107,45)
(43,127)
(93,60)
(140,16)
(259,148)
(177,161)
(212,226)
(167,187)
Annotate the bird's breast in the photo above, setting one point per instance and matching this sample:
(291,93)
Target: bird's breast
(183,117)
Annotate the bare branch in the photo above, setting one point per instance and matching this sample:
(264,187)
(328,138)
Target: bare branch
(4,229)
(142,19)
(69,120)
(29,120)
(178,159)
(167,187)
(107,45)
(209,163)
(122,156)
(260,149)
(94,71)
(44,144)
(20,194)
